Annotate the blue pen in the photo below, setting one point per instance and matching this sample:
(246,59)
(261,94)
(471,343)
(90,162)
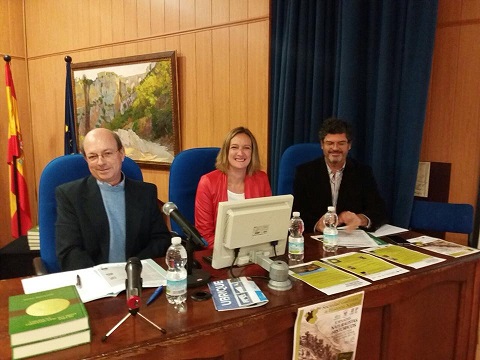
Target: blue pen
(155,295)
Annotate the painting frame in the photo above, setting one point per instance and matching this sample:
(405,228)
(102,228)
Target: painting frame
(135,96)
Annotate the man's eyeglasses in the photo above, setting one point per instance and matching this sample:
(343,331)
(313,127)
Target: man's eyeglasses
(106,155)
(333,143)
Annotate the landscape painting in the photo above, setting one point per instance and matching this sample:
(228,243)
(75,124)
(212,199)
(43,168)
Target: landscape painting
(136,97)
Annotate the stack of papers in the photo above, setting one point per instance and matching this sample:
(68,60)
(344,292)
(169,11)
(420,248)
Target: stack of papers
(352,239)
(96,282)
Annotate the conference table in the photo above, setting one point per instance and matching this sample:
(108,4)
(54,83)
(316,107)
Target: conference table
(427,313)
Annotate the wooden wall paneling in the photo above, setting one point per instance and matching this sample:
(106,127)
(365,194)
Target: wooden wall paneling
(205,124)
(257,65)
(188,91)
(221,82)
(12,34)
(157,22)
(465,134)
(470,9)
(238,76)
(144,26)
(442,96)
(172,16)
(95,18)
(238,10)
(131,27)
(203,13)
(118,28)
(220,12)
(105,29)
(449,11)
(258,8)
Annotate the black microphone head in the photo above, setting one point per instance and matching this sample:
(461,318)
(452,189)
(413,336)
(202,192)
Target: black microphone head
(168,207)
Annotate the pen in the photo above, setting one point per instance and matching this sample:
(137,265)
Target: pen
(79,281)
(155,295)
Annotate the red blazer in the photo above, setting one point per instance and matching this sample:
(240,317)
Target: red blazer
(212,189)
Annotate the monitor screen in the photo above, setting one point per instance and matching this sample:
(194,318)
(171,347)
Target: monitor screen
(251,225)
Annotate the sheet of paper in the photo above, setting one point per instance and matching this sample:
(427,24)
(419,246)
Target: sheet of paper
(351,239)
(365,265)
(387,230)
(442,246)
(326,278)
(403,256)
(96,282)
(328,330)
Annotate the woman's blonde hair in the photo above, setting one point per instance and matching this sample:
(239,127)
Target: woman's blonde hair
(222,163)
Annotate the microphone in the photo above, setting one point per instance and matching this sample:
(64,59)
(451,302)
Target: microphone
(133,283)
(170,209)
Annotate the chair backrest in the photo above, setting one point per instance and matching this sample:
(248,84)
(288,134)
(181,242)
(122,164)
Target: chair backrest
(185,172)
(59,171)
(293,156)
(442,217)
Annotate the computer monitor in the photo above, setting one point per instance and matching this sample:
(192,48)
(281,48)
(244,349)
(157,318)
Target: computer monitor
(254,226)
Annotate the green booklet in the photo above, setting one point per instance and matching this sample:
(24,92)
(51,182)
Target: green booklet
(46,321)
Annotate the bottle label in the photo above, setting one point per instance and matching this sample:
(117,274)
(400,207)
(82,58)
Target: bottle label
(296,245)
(176,287)
(330,239)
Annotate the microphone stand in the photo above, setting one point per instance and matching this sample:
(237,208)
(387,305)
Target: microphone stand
(133,308)
(195,277)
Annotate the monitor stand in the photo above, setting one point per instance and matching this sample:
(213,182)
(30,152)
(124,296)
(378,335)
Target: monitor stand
(277,271)
(195,276)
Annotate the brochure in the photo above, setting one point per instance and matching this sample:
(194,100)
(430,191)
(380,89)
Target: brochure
(442,246)
(326,278)
(97,282)
(365,265)
(236,293)
(404,256)
(328,330)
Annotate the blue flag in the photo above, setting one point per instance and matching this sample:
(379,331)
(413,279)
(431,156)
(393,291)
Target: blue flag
(70,137)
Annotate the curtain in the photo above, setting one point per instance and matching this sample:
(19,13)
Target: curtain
(367,62)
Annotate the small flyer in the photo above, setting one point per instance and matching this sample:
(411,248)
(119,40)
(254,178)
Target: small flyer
(237,293)
(328,330)
(442,246)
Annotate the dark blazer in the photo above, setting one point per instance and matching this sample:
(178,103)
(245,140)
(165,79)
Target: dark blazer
(358,193)
(82,231)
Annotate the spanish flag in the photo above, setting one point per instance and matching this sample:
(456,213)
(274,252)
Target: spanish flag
(19,204)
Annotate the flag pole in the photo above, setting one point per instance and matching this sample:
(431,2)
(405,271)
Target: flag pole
(7,59)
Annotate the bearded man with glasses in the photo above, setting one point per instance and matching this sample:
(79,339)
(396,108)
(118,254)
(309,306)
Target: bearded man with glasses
(107,217)
(335,180)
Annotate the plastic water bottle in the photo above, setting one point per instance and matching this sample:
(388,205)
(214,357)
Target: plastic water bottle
(330,232)
(176,258)
(295,240)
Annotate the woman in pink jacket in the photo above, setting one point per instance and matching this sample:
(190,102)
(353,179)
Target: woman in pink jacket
(237,176)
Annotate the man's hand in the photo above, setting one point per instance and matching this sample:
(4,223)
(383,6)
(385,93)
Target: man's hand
(351,220)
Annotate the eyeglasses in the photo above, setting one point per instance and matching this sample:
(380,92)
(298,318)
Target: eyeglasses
(106,155)
(333,143)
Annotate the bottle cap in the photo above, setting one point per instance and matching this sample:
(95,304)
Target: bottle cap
(331,208)
(296,213)
(176,240)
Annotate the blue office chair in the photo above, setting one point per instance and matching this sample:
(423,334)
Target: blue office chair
(293,156)
(442,217)
(185,172)
(59,171)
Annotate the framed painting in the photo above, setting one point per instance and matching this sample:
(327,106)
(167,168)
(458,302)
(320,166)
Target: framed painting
(136,97)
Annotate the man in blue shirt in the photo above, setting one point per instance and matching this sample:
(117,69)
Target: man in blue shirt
(107,217)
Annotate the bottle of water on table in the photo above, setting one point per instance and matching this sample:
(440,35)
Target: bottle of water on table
(176,259)
(295,240)
(330,232)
